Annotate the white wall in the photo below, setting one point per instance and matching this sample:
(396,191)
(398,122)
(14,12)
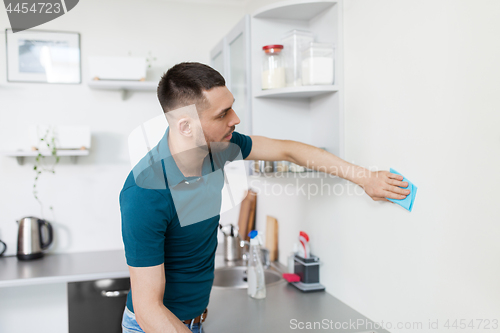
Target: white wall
(421,84)
(421,93)
(85,196)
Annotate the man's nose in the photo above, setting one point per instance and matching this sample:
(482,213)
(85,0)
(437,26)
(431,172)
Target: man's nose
(234,120)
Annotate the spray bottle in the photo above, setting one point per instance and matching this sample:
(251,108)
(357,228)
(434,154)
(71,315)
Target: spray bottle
(255,270)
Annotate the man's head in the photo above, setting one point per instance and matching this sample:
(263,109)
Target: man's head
(191,83)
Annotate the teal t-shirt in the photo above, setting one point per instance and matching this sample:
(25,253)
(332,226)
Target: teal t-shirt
(152,233)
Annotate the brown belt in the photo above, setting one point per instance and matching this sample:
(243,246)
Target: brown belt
(201,318)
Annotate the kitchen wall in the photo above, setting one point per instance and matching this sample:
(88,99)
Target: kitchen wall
(421,96)
(86,213)
(85,195)
(420,79)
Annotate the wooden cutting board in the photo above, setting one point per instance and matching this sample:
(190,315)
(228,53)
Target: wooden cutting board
(246,220)
(272,237)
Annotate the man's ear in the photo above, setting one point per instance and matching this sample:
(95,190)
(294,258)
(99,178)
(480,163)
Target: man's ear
(184,127)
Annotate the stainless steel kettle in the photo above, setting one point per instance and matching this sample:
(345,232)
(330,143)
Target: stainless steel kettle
(29,238)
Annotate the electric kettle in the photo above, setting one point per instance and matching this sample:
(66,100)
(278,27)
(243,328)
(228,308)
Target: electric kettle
(29,238)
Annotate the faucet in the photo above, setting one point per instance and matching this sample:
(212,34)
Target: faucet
(245,249)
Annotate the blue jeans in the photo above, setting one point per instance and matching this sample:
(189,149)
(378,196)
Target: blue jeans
(130,325)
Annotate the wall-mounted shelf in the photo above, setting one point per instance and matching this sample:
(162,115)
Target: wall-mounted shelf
(277,174)
(310,114)
(124,86)
(20,155)
(303,10)
(297,92)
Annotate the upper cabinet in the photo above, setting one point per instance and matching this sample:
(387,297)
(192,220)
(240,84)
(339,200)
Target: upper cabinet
(231,57)
(313,114)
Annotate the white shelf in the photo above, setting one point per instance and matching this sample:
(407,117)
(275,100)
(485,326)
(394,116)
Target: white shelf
(297,92)
(124,86)
(294,10)
(305,174)
(310,114)
(21,154)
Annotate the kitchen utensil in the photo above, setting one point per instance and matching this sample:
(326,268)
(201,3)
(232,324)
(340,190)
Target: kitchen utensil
(232,249)
(30,243)
(268,166)
(304,245)
(247,214)
(272,237)
(253,207)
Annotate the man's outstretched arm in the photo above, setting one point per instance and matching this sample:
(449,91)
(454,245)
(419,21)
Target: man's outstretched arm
(379,185)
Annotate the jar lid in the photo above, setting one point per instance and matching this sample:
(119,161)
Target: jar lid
(274,46)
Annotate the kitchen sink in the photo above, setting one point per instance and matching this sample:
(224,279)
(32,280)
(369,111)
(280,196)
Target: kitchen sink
(236,277)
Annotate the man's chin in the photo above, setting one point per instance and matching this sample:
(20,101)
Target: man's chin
(219,146)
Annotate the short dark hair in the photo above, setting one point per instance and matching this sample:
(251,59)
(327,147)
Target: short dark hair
(183,85)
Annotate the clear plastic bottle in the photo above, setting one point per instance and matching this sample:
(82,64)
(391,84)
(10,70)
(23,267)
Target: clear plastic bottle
(255,270)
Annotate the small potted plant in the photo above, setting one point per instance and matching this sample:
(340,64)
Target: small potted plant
(46,142)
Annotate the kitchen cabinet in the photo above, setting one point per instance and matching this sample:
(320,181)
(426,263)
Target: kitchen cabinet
(231,58)
(77,279)
(309,114)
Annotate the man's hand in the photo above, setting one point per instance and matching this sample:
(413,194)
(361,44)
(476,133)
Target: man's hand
(380,185)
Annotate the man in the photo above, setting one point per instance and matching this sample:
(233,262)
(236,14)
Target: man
(171,259)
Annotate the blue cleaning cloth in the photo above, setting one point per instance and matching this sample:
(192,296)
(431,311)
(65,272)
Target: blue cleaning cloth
(407,202)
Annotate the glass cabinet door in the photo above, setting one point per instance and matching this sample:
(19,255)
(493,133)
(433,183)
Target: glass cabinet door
(217,58)
(231,57)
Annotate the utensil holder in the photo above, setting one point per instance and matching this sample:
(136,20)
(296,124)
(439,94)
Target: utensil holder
(232,249)
(307,268)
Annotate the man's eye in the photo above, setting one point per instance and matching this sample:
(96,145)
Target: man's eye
(222,116)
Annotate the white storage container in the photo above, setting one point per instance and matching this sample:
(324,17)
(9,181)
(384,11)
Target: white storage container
(294,41)
(318,64)
(118,68)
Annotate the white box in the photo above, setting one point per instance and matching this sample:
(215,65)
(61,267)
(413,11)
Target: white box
(66,137)
(118,68)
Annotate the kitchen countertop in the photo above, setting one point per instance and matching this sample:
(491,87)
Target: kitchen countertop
(284,308)
(63,267)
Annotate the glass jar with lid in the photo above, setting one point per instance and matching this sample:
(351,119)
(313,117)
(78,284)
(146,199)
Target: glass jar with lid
(318,64)
(293,42)
(273,68)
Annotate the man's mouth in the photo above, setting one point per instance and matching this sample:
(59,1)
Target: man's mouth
(229,136)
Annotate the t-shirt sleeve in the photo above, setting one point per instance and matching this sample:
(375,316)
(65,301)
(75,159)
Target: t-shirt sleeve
(144,224)
(244,142)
